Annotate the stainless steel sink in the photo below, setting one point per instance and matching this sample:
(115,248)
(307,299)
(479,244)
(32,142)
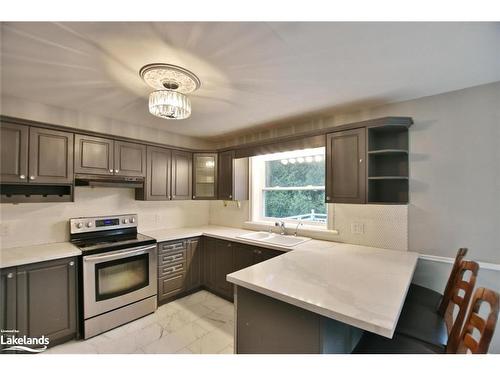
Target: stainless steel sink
(276,239)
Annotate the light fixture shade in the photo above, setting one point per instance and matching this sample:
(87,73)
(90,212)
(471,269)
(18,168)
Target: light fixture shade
(169,104)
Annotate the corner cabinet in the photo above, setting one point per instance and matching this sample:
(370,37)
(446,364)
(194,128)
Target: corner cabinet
(40,299)
(346,166)
(204,176)
(233,177)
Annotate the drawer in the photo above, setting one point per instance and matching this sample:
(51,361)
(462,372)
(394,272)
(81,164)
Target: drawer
(170,286)
(166,247)
(171,257)
(171,269)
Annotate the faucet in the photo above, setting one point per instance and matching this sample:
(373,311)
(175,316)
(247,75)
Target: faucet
(297,228)
(281,225)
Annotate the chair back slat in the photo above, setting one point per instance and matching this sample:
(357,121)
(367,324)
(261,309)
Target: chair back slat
(461,253)
(486,327)
(454,321)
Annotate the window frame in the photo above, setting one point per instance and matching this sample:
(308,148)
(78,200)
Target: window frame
(257,188)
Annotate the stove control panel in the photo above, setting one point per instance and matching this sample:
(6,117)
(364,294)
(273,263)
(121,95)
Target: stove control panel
(99,223)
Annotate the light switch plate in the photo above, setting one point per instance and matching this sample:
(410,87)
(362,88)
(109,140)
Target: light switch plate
(357,228)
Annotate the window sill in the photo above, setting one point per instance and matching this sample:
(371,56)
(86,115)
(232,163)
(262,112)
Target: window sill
(307,230)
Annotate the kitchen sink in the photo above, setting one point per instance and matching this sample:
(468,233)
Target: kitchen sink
(276,239)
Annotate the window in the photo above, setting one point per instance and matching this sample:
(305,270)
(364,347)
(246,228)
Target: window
(290,186)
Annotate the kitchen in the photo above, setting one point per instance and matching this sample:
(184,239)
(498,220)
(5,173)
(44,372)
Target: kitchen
(349,229)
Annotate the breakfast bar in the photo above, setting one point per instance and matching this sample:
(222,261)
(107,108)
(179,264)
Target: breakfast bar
(320,300)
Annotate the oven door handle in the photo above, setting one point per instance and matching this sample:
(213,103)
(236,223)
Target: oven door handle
(118,254)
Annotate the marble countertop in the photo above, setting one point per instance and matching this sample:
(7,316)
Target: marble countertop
(361,286)
(17,256)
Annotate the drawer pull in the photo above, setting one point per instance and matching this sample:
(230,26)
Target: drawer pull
(173,269)
(172,258)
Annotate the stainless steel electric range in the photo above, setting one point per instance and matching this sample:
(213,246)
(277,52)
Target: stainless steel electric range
(117,271)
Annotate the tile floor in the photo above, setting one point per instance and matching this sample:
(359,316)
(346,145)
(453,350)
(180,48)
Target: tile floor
(200,323)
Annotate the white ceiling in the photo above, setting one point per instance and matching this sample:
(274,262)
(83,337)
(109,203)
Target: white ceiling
(251,73)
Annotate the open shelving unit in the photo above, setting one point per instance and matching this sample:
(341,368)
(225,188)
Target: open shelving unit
(388,172)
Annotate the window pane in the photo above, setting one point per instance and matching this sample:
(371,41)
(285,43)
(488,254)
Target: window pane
(300,171)
(307,205)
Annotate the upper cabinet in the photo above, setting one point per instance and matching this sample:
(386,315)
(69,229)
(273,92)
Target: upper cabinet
(345,166)
(157,184)
(181,175)
(94,155)
(232,177)
(47,160)
(204,176)
(14,152)
(50,156)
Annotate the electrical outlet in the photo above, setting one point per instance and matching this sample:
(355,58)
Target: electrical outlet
(357,228)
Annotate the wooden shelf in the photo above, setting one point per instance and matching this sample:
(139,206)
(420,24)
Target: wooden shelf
(388,151)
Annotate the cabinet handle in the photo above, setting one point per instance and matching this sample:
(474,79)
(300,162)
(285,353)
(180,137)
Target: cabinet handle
(169,197)
(22,177)
(110,171)
(360,160)
(194,196)
(117,170)
(229,244)
(230,197)
(71,264)
(32,177)
(10,275)
(327,198)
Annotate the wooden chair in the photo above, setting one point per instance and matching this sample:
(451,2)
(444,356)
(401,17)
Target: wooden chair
(446,336)
(422,316)
(419,295)
(485,327)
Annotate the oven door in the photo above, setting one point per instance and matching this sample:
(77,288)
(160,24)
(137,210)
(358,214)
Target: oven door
(118,278)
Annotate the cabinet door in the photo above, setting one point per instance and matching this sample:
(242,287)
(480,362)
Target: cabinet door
(193,261)
(50,156)
(170,286)
(130,159)
(14,152)
(46,299)
(158,174)
(8,298)
(204,176)
(243,256)
(93,155)
(262,254)
(224,265)
(345,167)
(226,175)
(209,262)
(181,175)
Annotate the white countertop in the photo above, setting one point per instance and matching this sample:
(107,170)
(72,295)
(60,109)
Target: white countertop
(357,285)
(17,256)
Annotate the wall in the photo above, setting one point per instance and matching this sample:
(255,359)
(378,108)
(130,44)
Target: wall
(37,223)
(454,167)
(16,107)
(385,226)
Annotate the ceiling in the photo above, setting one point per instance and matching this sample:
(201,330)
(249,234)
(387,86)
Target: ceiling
(251,73)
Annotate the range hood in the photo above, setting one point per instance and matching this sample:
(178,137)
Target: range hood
(109,181)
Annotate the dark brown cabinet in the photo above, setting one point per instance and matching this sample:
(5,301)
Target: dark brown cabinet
(14,152)
(157,184)
(181,175)
(8,304)
(130,159)
(50,156)
(345,166)
(204,176)
(46,299)
(244,256)
(209,262)
(224,265)
(171,269)
(193,263)
(36,155)
(94,155)
(232,177)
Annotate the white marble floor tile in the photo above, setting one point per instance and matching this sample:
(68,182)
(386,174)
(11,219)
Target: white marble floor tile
(198,323)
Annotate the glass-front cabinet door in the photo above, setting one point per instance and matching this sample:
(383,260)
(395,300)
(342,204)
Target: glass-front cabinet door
(204,176)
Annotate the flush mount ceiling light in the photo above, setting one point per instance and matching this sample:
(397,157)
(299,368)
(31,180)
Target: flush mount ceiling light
(171,83)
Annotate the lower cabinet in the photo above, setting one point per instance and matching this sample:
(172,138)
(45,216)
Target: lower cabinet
(186,265)
(40,299)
